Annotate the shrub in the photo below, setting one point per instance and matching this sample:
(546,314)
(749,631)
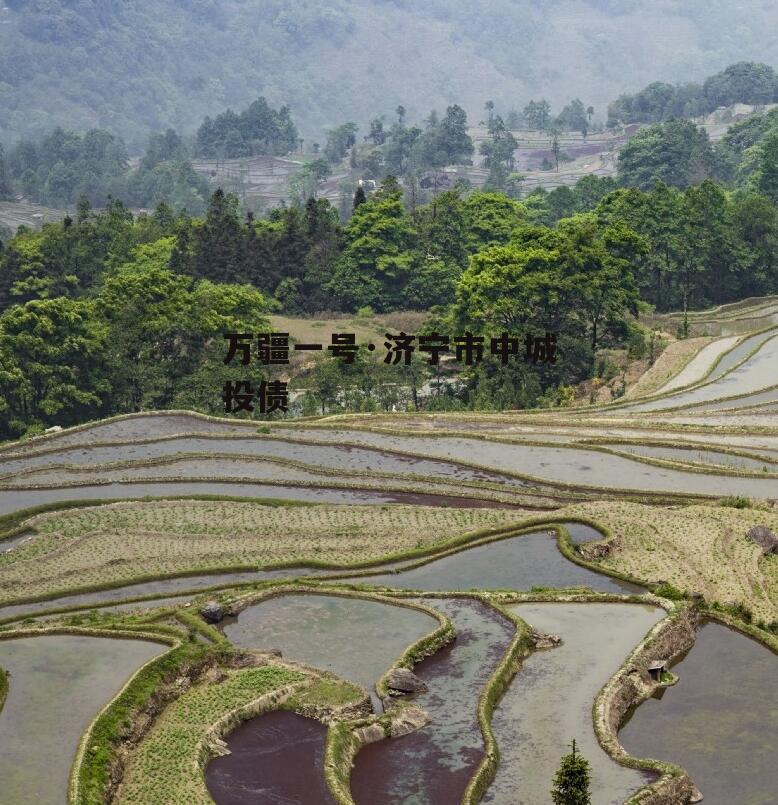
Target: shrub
(736,502)
(666,590)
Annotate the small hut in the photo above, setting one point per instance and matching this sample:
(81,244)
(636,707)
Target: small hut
(656,669)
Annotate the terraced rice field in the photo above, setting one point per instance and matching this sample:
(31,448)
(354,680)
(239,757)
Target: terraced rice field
(304,538)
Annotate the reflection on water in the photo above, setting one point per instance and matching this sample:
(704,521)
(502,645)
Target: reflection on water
(433,765)
(353,637)
(720,722)
(276,758)
(58,683)
(550,701)
(519,563)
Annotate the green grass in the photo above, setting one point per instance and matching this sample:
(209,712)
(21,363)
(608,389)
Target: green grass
(325,692)
(123,543)
(93,774)
(164,768)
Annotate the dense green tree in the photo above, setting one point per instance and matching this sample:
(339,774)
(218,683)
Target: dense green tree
(258,129)
(339,141)
(509,287)
(64,261)
(163,148)
(744,82)
(52,367)
(572,781)
(755,224)
(64,165)
(160,325)
(573,117)
(710,240)
(359,197)
(537,114)
(768,168)
(597,272)
(218,251)
(659,217)
(377,133)
(676,153)
(400,147)
(380,255)
(451,143)
(498,154)
(443,229)
(576,280)
(491,219)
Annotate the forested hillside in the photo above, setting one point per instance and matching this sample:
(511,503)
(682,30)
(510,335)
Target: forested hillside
(140,66)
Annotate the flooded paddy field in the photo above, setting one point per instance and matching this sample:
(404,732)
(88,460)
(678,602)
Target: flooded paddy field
(702,456)
(57,685)
(181,584)
(276,758)
(581,532)
(512,563)
(133,427)
(356,638)
(568,465)
(753,375)
(10,543)
(720,722)
(733,419)
(755,399)
(760,318)
(334,457)
(184,468)
(549,702)
(17,500)
(434,764)
(700,365)
(515,563)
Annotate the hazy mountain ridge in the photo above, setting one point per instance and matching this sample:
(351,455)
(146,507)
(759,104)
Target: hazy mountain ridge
(136,66)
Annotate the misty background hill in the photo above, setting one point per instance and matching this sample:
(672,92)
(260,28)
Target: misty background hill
(139,66)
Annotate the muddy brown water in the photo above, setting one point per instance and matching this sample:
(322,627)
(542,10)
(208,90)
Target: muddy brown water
(720,722)
(534,722)
(276,758)
(57,685)
(434,764)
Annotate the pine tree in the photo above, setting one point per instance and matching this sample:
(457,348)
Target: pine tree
(359,197)
(571,783)
(219,240)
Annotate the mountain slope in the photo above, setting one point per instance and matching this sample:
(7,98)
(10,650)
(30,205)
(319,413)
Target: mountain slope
(137,66)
